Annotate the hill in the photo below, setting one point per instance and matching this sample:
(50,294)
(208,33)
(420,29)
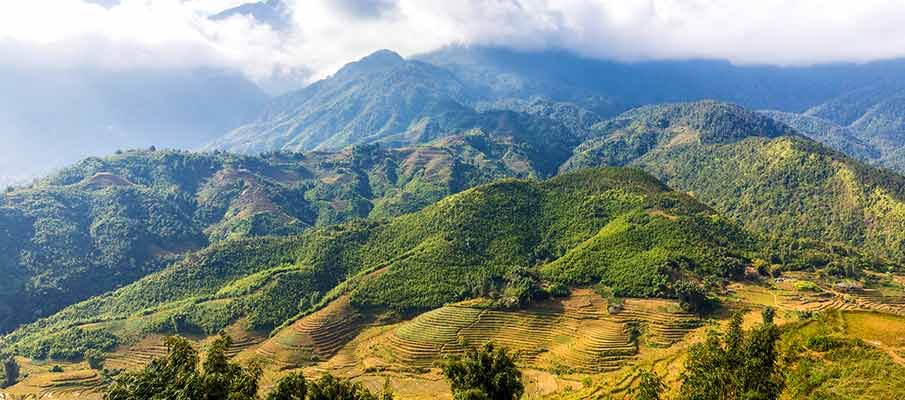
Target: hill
(619,227)
(866,123)
(105,222)
(756,171)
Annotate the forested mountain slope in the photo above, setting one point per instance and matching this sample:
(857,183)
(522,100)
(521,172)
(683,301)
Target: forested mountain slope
(384,98)
(105,222)
(756,171)
(621,227)
(867,123)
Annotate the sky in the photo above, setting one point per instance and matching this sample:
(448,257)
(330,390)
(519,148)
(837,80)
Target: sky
(325,34)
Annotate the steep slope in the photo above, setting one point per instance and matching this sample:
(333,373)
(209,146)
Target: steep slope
(867,123)
(829,133)
(758,172)
(106,222)
(383,98)
(476,243)
(378,96)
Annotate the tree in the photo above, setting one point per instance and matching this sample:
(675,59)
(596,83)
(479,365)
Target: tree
(10,372)
(387,392)
(177,376)
(692,297)
(290,387)
(650,387)
(488,373)
(95,359)
(735,364)
(329,387)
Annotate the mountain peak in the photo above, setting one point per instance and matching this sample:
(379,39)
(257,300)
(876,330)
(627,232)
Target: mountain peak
(716,122)
(381,59)
(376,61)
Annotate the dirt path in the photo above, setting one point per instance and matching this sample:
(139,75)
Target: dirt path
(896,358)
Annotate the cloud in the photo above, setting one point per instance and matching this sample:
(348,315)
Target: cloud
(328,33)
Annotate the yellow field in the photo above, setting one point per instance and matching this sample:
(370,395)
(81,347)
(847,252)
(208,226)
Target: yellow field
(569,348)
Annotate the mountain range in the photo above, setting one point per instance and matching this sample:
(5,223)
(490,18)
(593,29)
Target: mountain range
(479,182)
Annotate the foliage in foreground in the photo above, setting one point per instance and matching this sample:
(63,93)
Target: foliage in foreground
(10,372)
(178,376)
(735,365)
(182,375)
(483,374)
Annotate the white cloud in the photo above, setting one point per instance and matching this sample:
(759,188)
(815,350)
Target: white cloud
(329,33)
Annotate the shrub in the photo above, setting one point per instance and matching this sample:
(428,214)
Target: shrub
(95,359)
(10,372)
(650,387)
(823,343)
(486,373)
(806,286)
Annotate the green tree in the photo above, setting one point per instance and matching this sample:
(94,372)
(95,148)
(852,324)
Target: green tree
(329,387)
(387,392)
(10,372)
(290,387)
(734,365)
(692,296)
(95,359)
(650,386)
(487,373)
(177,376)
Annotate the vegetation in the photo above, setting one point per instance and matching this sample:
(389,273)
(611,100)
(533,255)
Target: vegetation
(105,222)
(482,242)
(758,172)
(828,357)
(735,365)
(650,387)
(488,373)
(181,376)
(10,372)
(290,387)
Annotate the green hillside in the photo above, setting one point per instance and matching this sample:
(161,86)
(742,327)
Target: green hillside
(757,172)
(484,241)
(105,222)
(384,98)
(867,123)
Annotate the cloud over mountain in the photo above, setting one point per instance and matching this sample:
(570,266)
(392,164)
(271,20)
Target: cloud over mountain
(325,34)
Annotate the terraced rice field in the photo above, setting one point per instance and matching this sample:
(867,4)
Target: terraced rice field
(315,338)
(137,355)
(577,333)
(74,384)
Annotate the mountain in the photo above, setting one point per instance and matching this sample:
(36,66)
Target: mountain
(384,98)
(829,133)
(105,222)
(50,118)
(757,171)
(867,123)
(620,227)
(611,87)
(272,12)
